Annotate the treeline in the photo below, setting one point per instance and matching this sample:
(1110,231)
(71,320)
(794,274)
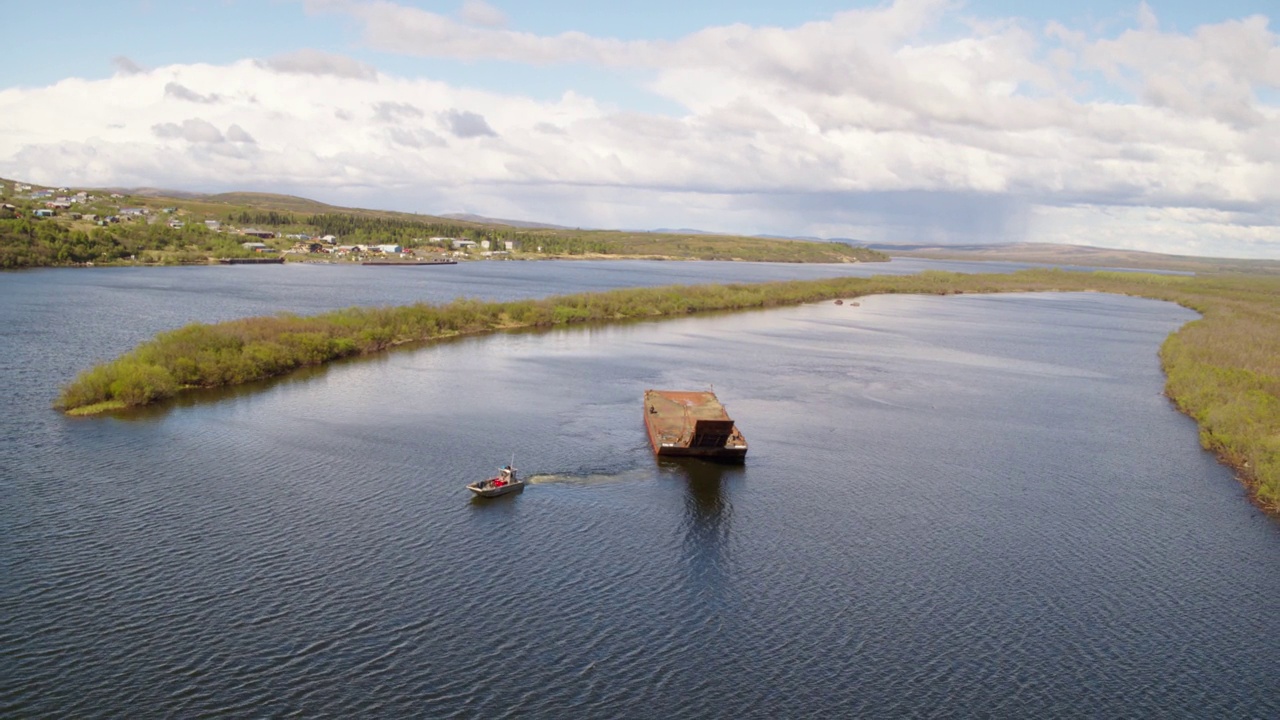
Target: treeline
(359,228)
(271,218)
(402,230)
(28,242)
(1223,370)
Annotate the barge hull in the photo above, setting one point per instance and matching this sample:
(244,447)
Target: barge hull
(692,424)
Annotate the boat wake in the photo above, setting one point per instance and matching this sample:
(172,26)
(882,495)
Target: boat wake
(591,478)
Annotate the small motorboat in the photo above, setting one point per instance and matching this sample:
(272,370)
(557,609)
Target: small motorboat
(506,481)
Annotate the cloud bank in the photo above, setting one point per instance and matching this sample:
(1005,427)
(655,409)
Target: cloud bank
(885,124)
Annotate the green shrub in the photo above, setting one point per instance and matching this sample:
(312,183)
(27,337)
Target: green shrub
(137,383)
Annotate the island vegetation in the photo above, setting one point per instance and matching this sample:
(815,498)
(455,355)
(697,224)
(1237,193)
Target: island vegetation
(1222,369)
(42,227)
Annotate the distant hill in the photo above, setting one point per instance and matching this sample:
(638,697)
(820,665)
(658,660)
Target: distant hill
(498,221)
(683,231)
(814,238)
(156,192)
(1084,255)
(289,203)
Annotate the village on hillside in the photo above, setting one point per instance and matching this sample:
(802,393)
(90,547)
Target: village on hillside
(61,226)
(86,209)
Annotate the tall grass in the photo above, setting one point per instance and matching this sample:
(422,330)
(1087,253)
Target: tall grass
(1222,369)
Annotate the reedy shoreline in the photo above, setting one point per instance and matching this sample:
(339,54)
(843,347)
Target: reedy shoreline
(1223,370)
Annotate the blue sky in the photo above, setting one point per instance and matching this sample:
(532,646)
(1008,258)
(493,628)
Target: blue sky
(154,33)
(1145,125)
(82,43)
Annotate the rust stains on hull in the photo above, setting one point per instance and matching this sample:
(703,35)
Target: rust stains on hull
(692,424)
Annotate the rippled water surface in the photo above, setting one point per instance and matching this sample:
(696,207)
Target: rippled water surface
(959,506)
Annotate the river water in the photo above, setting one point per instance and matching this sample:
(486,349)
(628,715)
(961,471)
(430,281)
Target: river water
(952,506)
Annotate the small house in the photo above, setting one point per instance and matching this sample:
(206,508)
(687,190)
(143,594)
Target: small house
(255,246)
(460,244)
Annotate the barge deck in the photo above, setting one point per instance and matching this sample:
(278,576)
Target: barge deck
(692,424)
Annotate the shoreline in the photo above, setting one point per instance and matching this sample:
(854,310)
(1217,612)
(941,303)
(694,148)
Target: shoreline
(218,262)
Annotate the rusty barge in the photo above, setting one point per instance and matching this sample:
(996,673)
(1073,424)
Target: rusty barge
(692,424)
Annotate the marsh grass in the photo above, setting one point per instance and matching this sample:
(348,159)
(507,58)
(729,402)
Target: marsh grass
(1223,369)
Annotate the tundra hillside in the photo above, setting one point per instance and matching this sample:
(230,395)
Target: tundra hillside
(1222,369)
(59,227)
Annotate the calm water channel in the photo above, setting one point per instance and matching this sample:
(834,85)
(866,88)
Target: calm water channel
(960,506)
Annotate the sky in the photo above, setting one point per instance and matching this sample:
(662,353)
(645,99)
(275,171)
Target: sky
(1149,126)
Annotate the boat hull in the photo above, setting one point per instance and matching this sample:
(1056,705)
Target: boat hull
(727,455)
(495,492)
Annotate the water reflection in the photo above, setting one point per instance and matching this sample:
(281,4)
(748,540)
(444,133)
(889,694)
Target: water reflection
(708,522)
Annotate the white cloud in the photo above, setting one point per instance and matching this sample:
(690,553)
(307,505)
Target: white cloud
(182,92)
(466,124)
(192,130)
(237,134)
(415,137)
(479,12)
(125,66)
(316,62)
(391,111)
(874,124)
